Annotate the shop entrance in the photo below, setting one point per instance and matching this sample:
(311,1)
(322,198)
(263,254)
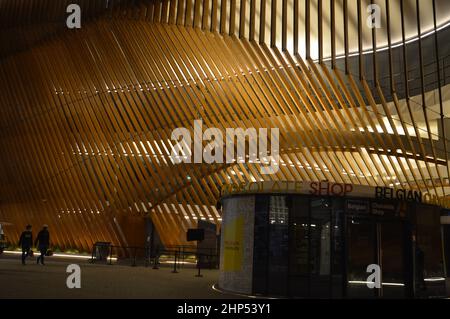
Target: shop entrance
(381,242)
(320,247)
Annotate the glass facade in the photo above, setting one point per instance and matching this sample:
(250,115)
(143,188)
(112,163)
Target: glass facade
(320,247)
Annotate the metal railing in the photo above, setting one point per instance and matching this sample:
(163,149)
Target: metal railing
(178,256)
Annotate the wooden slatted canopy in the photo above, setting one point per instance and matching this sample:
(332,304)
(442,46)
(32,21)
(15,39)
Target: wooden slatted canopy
(87,115)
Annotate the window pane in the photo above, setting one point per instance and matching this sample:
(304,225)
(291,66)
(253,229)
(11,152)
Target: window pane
(298,267)
(261,244)
(428,254)
(337,248)
(320,258)
(278,246)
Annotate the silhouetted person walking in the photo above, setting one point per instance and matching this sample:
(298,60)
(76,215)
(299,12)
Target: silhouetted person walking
(26,241)
(42,242)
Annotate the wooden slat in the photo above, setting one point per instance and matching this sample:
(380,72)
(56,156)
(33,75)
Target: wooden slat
(87,114)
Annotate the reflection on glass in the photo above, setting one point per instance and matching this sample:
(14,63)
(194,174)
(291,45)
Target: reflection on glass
(279,211)
(361,253)
(279,245)
(299,248)
(392,245)
(337,248)
(320,248)
(428,255)
(446,240)
(261,244)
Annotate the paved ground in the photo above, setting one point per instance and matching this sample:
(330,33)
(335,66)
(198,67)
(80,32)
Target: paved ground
(102,281)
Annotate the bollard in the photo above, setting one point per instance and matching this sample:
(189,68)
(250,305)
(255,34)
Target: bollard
(199,268)
(92,255)
(110,254)
(182,257)
(155,262)
(134,258)
(147,257)
(174,271)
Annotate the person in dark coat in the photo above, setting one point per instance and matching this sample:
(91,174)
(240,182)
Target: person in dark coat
(26,241)
(42,242)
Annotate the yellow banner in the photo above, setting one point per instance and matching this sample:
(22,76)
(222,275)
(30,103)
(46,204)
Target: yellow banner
(233,244)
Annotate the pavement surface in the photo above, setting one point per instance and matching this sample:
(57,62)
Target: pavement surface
(103,281)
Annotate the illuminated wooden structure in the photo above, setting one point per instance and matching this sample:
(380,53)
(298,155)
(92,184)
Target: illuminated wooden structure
(86,115)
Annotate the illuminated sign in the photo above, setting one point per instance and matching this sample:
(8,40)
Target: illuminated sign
(330,189)
(398,194)
(325,188)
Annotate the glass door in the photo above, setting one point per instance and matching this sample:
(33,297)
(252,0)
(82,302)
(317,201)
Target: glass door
(320,249)
(391,250)
(378,242)
(361,250)
(310,260)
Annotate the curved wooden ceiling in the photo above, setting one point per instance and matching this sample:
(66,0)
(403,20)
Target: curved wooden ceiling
(87,116)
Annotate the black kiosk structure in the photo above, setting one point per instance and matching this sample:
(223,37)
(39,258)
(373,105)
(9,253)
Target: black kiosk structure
(317,240)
